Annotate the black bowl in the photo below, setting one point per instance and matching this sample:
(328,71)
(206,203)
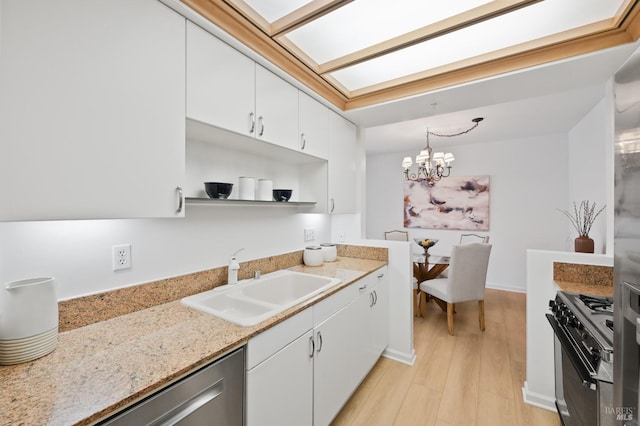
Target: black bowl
(282,194)
(218,189)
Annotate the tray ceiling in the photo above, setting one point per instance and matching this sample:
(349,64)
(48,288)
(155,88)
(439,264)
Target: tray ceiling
(364,52)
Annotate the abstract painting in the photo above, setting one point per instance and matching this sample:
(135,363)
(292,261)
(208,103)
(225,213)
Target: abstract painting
(455,202)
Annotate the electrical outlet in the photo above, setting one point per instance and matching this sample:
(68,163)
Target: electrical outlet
(309,234)
(121,256)
(341,236)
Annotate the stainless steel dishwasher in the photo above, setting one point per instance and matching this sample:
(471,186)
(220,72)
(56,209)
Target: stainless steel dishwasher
(212,395)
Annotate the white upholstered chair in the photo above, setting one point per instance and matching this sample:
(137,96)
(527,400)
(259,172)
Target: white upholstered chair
(467,239)
(396,235)
(466,281)
(473,238)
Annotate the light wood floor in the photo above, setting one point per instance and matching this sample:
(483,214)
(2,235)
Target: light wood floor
(472,378)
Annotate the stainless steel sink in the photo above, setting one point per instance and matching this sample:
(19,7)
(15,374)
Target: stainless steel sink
(253,301)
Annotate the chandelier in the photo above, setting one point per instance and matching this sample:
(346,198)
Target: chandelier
(431,167)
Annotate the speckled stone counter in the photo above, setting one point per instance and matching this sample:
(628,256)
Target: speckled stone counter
(587,279)
(100,368)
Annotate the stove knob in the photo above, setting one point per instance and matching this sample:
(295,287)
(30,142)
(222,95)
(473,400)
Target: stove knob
(573,322)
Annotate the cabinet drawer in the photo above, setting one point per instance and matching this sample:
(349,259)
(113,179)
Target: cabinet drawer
(271,341)
(332,304)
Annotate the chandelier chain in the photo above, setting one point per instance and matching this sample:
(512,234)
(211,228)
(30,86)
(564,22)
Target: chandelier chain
(475,124)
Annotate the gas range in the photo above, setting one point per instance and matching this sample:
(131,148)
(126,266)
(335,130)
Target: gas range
(588,321)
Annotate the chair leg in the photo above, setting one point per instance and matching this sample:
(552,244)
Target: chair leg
(481,316)
(423,302)
(450,308)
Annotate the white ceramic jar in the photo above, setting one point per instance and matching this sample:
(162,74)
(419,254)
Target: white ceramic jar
(247,188)
(313,256)
(329,252)
(265,190)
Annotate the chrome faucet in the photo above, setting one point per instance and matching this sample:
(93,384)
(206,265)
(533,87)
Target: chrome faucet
(234,266)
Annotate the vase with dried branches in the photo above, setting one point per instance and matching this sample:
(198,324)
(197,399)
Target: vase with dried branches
(582,220)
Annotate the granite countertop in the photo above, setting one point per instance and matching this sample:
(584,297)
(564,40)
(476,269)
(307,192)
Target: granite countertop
(586,279)
(101,368)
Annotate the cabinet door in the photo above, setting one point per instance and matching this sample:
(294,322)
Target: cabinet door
(313,125)
(220,83)
(276,110)
(279,391)
(360,339)
(379,325)
(342,165)
(92,109)
(331,384)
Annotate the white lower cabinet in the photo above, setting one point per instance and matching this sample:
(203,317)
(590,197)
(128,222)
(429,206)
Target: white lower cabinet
(370,325)
(303,370)
(331,384)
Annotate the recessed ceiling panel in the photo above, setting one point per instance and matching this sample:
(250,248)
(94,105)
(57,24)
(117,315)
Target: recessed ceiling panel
(363,23)
(356,53)
(532,23)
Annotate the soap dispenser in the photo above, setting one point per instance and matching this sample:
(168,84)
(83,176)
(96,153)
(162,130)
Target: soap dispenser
(234,266)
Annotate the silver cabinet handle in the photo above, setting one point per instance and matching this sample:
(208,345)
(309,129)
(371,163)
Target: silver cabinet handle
(261,123)
(303,141)
(375,297)
(312,346)
(381,275)
(371,303)
(252,122)
(363,287)
(319,342)
(206,396)
(333,205)
(180,199)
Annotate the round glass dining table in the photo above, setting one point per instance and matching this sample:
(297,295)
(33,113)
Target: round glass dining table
(426,268)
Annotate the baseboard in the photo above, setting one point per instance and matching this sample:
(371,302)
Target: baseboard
(537,399)
(503,287)
(402,357)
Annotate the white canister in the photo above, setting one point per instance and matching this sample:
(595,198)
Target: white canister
(312,256)
(265,190)
(28,308)
(247,188)
(329,252)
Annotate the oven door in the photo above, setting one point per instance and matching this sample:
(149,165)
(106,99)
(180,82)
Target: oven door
(576,390)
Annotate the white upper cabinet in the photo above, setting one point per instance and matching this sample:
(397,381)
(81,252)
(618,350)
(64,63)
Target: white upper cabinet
(313,125)
(220,83)
(276,110)
(91,109)
(342,165)
(228,90)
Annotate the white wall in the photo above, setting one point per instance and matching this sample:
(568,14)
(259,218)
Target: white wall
(527,186)
(591,170)
(78,253)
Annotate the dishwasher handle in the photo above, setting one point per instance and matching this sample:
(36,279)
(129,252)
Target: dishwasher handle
(189,407)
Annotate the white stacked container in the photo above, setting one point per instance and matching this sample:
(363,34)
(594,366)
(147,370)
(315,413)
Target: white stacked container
(28,320)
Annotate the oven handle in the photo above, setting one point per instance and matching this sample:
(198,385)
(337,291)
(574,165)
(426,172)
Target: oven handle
(583,373)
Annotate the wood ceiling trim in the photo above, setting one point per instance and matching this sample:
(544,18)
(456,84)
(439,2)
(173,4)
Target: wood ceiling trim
(625,9)
(491,68)
(437,29)
(228,19)
(250,14)
(631,21)
(307,13)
